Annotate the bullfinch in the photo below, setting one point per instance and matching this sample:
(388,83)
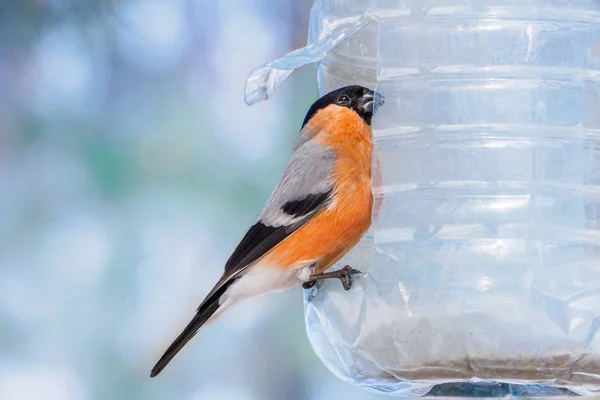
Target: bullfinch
(318,211)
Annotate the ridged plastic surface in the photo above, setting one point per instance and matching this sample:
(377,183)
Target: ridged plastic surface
(483,262)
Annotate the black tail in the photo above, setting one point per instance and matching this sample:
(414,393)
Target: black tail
(205,311)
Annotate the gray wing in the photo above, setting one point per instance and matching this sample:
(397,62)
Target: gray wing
(308,175)
(304,190)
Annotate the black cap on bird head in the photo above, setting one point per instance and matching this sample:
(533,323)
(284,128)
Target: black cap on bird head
(357,98)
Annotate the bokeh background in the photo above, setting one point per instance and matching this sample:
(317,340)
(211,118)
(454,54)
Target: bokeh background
(130,167)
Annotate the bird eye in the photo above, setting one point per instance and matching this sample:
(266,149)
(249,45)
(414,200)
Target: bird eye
(343,100)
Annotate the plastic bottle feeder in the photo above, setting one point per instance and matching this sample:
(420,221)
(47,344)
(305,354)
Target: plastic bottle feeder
(483,263)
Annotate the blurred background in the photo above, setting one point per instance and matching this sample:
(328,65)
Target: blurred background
(130,167)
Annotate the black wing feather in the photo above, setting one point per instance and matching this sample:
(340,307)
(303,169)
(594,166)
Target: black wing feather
(257,242)
(261,238)
(305,206)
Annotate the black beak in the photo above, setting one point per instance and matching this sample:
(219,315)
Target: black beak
(370,102)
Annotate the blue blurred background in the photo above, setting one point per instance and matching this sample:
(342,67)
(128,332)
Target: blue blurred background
(130,167)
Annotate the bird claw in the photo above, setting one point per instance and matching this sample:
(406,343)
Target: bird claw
(344,275)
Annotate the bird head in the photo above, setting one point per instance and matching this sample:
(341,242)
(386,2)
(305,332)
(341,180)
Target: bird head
(357,98)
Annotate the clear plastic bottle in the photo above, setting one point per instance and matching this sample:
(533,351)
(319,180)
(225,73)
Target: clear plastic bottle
(483,263)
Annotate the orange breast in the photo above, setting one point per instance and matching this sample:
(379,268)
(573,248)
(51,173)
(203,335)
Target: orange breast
(333,232)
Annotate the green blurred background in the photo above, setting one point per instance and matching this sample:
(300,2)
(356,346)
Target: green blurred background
(130,167)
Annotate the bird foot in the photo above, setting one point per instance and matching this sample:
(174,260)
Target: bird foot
(344,275)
